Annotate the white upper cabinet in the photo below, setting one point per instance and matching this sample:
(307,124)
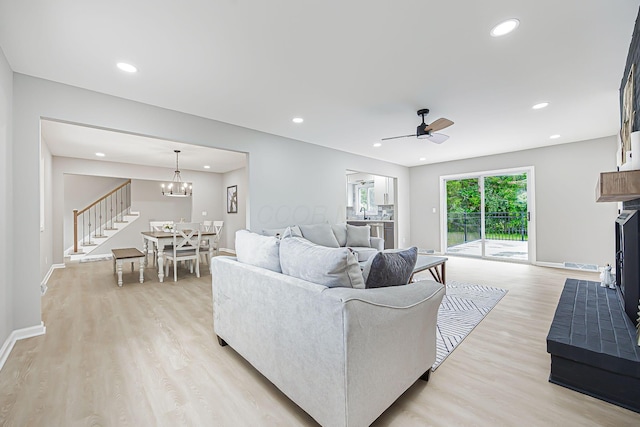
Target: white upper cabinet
(384,190)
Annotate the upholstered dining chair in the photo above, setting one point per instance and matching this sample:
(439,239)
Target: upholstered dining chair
(214,241)
(186,247)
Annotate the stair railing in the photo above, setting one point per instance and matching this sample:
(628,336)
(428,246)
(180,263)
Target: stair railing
(101,215)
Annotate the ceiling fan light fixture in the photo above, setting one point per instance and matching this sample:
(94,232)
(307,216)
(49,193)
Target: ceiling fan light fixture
(177,187)
(505,27)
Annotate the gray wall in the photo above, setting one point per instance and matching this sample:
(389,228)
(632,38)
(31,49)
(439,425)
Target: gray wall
(288,181)
(570,225)
(6,255)
(237,221)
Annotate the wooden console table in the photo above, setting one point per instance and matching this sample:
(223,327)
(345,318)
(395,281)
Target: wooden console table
(592,344)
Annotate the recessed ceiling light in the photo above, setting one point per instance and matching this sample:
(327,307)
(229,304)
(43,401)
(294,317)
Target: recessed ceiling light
(100,154)
(377,144)
(540,105)
(422,159)
(207,167)
(127,67)
(298,120)
(505,27)
(556,136)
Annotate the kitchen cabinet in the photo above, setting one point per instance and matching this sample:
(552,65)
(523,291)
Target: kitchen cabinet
(350,194)
(389,234)
(384,190)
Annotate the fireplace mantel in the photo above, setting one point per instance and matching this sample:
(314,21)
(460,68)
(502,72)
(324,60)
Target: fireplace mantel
(619,186)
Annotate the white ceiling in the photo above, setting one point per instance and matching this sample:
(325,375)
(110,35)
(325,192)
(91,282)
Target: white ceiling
(355,70)
(83,142)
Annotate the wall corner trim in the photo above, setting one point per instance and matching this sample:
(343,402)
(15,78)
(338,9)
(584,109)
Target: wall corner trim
(19,334)
(43,284)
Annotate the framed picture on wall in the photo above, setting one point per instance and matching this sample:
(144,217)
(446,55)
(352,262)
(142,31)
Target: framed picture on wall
(232,199)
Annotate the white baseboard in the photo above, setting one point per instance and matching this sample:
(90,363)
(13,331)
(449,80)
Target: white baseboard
(43,284)
(19,334)
(561,265)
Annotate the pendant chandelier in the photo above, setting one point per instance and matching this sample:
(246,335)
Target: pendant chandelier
(177,188)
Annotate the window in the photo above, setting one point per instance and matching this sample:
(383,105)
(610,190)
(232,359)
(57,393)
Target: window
(365,199)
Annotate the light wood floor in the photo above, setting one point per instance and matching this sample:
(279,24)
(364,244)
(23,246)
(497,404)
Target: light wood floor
(145,355)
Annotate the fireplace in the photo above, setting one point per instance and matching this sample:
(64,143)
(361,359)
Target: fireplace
(628,261)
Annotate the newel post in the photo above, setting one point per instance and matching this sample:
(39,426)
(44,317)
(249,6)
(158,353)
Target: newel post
(75,230)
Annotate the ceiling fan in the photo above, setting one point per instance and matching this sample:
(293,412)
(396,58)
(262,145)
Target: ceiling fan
(425,131)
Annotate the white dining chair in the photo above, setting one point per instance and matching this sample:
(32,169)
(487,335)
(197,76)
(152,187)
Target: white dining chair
(217,227)
(166,226)
(186,247)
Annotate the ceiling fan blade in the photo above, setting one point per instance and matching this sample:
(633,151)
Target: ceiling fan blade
(396,137)
(437,138)
(438,124)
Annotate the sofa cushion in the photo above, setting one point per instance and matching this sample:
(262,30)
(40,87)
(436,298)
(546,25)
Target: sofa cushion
(278,232)
(340,231)
(331,267)
(258,250)
(320,234)
(390,268)
(363,253)
(358,235)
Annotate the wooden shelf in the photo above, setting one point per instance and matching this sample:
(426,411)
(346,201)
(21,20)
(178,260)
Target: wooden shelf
(618,186)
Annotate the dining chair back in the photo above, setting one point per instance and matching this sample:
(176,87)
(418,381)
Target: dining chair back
(186,247)
(160,226)
(214,241)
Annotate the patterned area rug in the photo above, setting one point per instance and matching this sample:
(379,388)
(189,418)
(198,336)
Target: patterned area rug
(462,308)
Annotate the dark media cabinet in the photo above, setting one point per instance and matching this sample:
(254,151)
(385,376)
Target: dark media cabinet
(593,345)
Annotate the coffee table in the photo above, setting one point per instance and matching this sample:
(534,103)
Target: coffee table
(431,263)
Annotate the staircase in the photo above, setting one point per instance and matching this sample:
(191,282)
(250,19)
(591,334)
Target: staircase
(100,221)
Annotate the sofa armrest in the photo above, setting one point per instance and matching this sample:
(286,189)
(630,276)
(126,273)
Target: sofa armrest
(377,242)
(392,296)
(390,339)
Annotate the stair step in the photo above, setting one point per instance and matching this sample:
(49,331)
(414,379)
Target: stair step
(89,244)
(100,236)
(111,229)
(121,222)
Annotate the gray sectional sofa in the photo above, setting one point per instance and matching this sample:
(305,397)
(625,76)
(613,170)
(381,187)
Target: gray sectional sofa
(356,238)
(343,355)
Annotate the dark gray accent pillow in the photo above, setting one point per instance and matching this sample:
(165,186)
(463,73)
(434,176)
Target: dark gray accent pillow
(390,268)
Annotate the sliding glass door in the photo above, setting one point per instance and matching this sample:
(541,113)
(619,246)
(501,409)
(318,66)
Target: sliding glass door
(488,215)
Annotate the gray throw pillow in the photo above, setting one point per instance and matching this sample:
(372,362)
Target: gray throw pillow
(390,268)
(258,250)
(320,234)
(340,231)
(331,267)
(358,235)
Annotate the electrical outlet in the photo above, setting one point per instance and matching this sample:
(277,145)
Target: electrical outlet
(204,213)
(433,210)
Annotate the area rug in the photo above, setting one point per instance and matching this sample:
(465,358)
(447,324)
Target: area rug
(462,308)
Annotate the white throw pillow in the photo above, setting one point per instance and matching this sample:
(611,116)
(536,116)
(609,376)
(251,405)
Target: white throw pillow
(320,234)
(358,236)
(331,267)
(260,251)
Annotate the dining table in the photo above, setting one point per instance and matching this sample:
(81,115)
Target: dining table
(162,238)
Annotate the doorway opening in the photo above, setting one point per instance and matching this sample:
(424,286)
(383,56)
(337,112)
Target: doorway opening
(488,215)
